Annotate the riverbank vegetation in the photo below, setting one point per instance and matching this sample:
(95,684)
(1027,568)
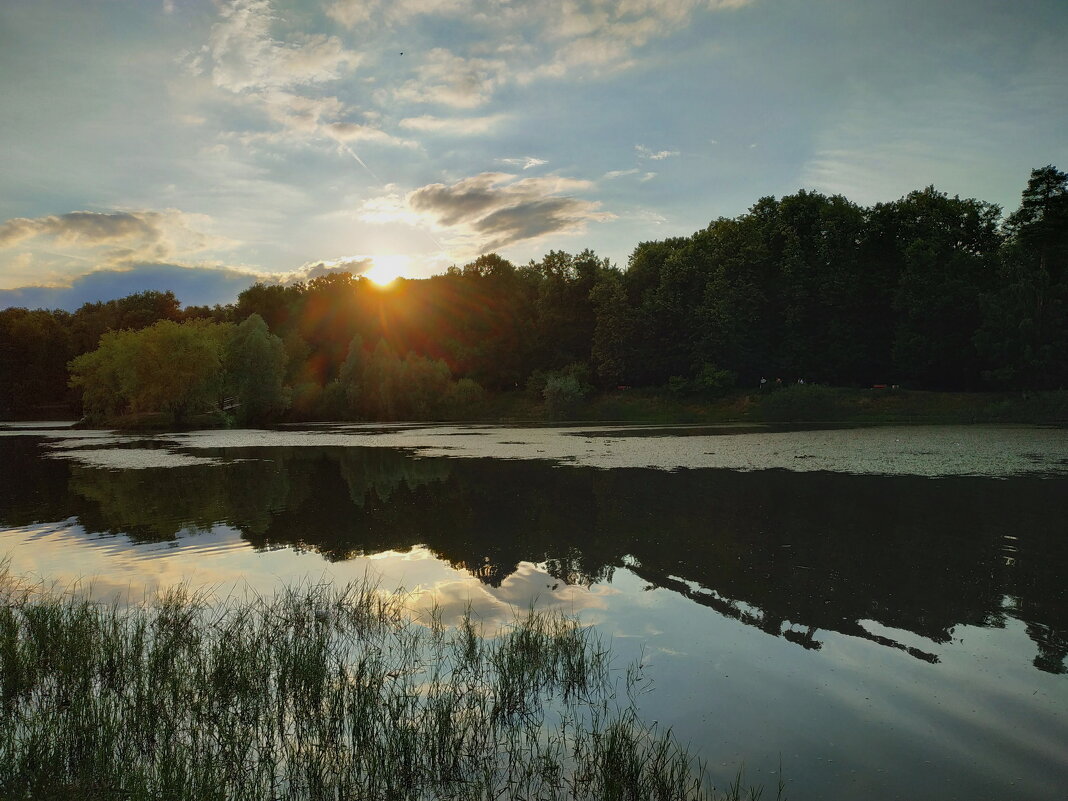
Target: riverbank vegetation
(928,292)
(317,693)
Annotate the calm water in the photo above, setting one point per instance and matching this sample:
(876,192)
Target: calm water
(883,609)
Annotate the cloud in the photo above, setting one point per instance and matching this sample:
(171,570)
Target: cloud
(193,286)
(105,239)
(526,162)
(620,173)
(659,155)
(601,36)
(244,59)
(244,55)
(353,13)
(454,126)
(494,210)
(356,265)
(444,78)
(84,228)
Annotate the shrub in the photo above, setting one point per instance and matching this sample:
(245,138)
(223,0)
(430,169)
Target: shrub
(801,403)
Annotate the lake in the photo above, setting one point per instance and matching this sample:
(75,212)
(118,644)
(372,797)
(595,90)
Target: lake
(882,610)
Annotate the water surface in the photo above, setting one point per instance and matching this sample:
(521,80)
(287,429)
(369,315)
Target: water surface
(882,608)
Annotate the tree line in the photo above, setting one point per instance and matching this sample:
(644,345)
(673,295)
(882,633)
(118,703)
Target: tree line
(929,291)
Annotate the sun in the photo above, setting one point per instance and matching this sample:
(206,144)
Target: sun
(388,267)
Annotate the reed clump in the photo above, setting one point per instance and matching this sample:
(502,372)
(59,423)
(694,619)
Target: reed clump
(319,692)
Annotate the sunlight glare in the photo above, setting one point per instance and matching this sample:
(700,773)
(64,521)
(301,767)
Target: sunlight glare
(387,268)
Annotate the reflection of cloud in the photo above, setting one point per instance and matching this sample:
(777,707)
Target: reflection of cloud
(529,587)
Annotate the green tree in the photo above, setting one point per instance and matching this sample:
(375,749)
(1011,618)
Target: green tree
(1025,334)
(255,369)
(169,368)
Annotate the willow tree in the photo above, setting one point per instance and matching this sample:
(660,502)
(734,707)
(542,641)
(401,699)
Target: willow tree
(169,368)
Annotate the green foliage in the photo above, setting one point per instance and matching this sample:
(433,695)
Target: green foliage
(34,349)
(710,382)
(925,291)
(565,390)
(801,403)
(385,386)
(255,369)
(318,693)
(172,368)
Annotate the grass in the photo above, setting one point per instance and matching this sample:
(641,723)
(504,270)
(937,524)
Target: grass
(815,403)
(317,693)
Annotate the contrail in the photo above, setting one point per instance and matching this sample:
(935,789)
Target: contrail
(363,164)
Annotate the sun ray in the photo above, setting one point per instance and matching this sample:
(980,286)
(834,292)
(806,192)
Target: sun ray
(386,268)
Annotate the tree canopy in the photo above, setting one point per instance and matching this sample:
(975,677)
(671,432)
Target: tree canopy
(929,291)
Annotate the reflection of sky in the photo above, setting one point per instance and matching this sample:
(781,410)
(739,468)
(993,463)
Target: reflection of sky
(219,561)
(998,451)
(853,719)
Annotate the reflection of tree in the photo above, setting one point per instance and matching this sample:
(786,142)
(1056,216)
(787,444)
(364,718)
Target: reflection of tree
(789,553)
(157,503)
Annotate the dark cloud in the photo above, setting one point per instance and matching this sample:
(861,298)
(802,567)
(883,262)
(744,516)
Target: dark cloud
(464,201)
(193,286)
(532,219)
(84,227)
(501,211)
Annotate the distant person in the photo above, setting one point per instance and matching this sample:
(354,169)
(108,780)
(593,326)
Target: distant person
(763,382)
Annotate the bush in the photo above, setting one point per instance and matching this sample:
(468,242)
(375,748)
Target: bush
(801,403)
(563,394)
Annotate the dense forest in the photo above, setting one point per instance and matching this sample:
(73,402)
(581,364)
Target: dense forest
(928,291)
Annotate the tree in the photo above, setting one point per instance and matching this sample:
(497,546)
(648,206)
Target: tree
(169,368)
(1025,335)
(255,369)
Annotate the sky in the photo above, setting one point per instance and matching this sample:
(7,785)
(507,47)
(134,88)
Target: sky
(202,145)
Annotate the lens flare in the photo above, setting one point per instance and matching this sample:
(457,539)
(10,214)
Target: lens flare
(386,269)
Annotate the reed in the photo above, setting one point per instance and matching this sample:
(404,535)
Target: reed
(319,692)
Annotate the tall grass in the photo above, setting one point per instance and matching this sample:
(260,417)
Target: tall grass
(316,693)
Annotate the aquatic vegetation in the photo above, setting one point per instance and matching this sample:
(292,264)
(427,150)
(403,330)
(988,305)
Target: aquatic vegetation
(317,692)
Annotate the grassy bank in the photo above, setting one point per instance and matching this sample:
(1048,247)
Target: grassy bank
(315,694)
(813,403)
(791,404)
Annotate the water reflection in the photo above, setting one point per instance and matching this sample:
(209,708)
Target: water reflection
(793,554)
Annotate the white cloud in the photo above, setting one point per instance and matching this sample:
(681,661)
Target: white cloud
(658,155)
(621,173)
(244,56)
(244,59)
(313,269)
(454,126)
(527,162)
(445,78)
(353,13)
